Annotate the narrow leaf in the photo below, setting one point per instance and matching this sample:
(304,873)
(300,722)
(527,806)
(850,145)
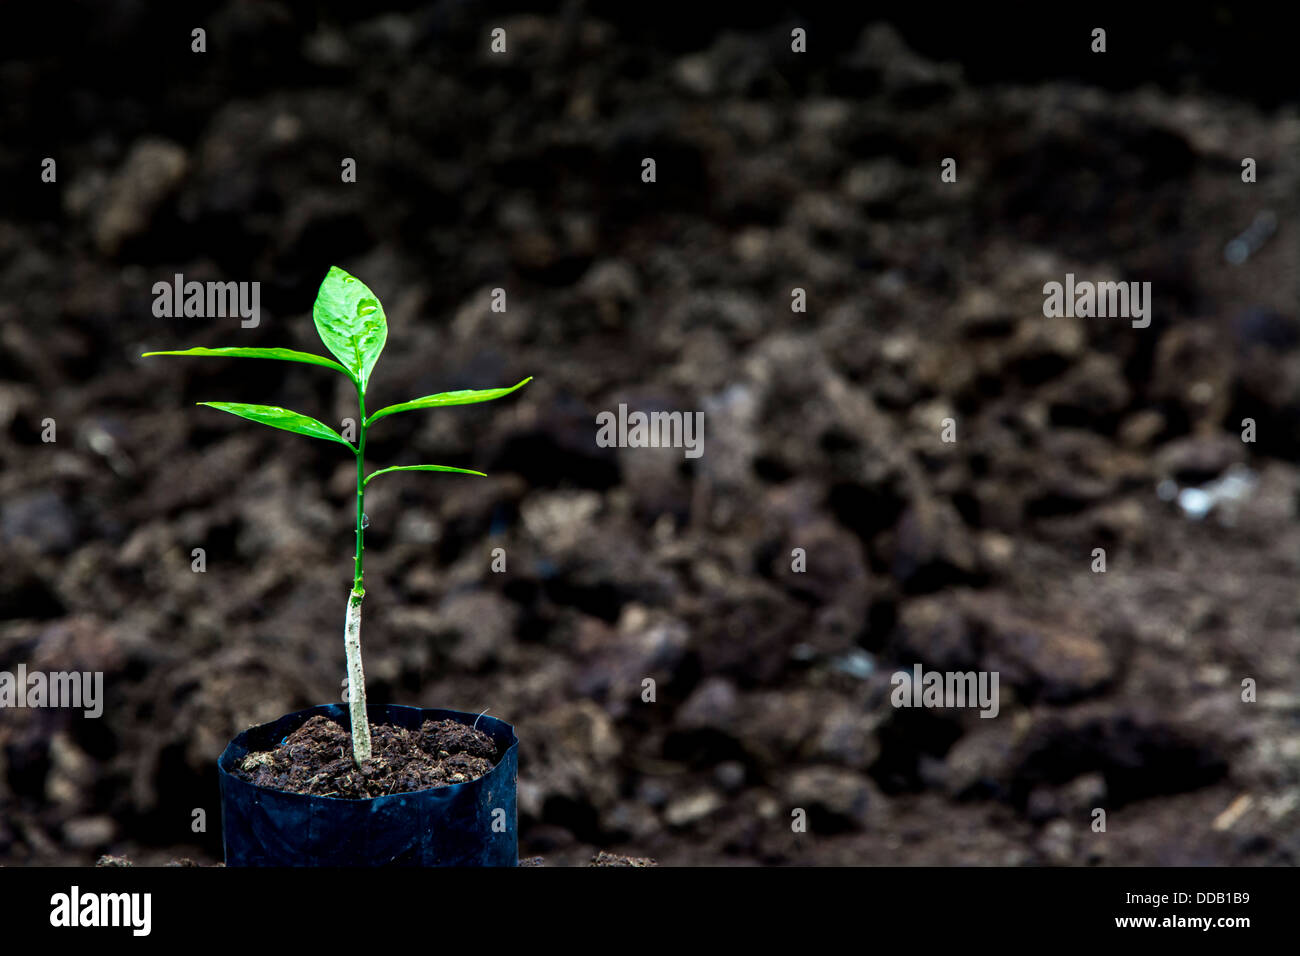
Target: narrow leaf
(467,396)
(284,355)
(384,471)
(278,417)
(351,322)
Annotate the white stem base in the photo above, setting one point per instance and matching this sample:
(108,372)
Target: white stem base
(356,680)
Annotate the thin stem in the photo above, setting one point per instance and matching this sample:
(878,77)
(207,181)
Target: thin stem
(352,625)
(361,493)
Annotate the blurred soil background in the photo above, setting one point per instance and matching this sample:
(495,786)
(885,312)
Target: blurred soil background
(776,170)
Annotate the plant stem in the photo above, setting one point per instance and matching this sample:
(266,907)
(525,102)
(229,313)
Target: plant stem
(352,624)
(361,493)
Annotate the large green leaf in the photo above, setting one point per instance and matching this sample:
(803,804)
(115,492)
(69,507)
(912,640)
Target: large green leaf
(278,417)
(466,396)
(350,322)
(284,355)
(384,471)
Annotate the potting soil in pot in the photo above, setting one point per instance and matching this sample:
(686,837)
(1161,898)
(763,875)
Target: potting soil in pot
(317,759)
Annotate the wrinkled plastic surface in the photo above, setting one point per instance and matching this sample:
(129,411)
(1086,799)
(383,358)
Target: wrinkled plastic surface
(445,826)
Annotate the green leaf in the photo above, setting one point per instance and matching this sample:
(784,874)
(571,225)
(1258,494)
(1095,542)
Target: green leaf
(467,396)
(384,471)
(284,355)
(278,417)
(350,322)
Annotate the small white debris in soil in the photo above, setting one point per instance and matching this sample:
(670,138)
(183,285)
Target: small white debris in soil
(255,760)
(1241,248)
(856,663)
(1233,812)
(1223,495)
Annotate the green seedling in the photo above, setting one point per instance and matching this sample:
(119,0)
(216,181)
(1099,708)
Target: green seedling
(352,325)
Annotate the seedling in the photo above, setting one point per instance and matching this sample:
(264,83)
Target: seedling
(351,323)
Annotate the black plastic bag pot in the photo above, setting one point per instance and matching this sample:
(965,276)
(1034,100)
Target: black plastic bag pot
(444,826)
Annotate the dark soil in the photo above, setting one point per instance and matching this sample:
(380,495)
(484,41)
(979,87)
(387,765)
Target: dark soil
(317,759)
(1120,690)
